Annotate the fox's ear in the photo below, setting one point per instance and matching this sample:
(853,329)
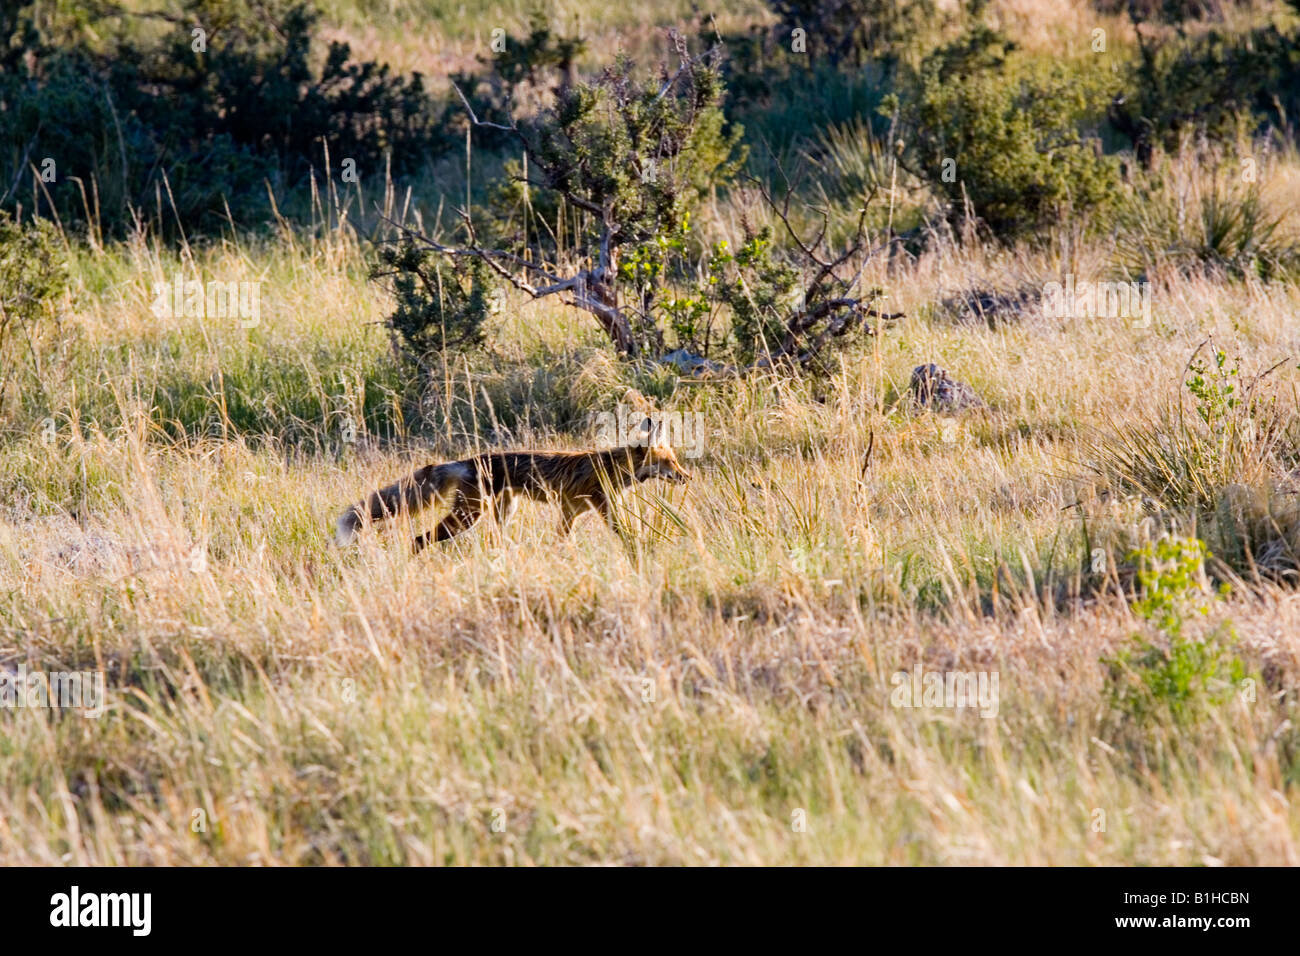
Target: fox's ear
(645,433)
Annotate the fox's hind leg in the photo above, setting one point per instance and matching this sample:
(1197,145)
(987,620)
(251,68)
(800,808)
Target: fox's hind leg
(464,512)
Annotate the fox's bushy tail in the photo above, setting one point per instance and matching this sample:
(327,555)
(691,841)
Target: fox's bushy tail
(407,496)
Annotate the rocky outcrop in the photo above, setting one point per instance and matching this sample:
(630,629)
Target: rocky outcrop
(935,389)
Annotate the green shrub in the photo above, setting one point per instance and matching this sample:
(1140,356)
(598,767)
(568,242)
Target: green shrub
(149,117)
(738,309)
(853,31)
(1003,140)
(1217,86)
(615,163)
(751,305)
(442,305)
(1170,672)
(33,272)
(620,144)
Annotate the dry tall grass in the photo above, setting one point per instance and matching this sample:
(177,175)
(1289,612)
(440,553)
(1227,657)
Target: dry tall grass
(517,697)
(717,688)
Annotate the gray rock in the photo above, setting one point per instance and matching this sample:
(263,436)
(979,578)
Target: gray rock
(992,307)
(934,388)
(688,363)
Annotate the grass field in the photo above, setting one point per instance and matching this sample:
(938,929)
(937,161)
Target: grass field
(717,688)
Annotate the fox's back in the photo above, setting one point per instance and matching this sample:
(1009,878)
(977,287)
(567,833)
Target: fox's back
(539,474)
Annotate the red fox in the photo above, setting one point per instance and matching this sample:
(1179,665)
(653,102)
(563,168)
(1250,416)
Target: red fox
(580,481)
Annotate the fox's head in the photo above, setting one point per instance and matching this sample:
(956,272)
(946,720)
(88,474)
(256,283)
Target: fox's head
(660,460)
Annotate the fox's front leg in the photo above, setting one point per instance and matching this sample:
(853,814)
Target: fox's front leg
(569,512)
(606,509)
(570,509)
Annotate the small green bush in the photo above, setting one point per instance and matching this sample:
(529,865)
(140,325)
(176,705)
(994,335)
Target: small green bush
(739,307)
(1174,673)
(147,117)
(33,273)
(1217,86)
(1003,140)
(442,304)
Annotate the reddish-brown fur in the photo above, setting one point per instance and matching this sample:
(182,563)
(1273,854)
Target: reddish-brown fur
(579,481)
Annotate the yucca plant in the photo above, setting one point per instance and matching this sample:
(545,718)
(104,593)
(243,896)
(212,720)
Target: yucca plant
(1215,470)
(853,162)
(1221,228)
